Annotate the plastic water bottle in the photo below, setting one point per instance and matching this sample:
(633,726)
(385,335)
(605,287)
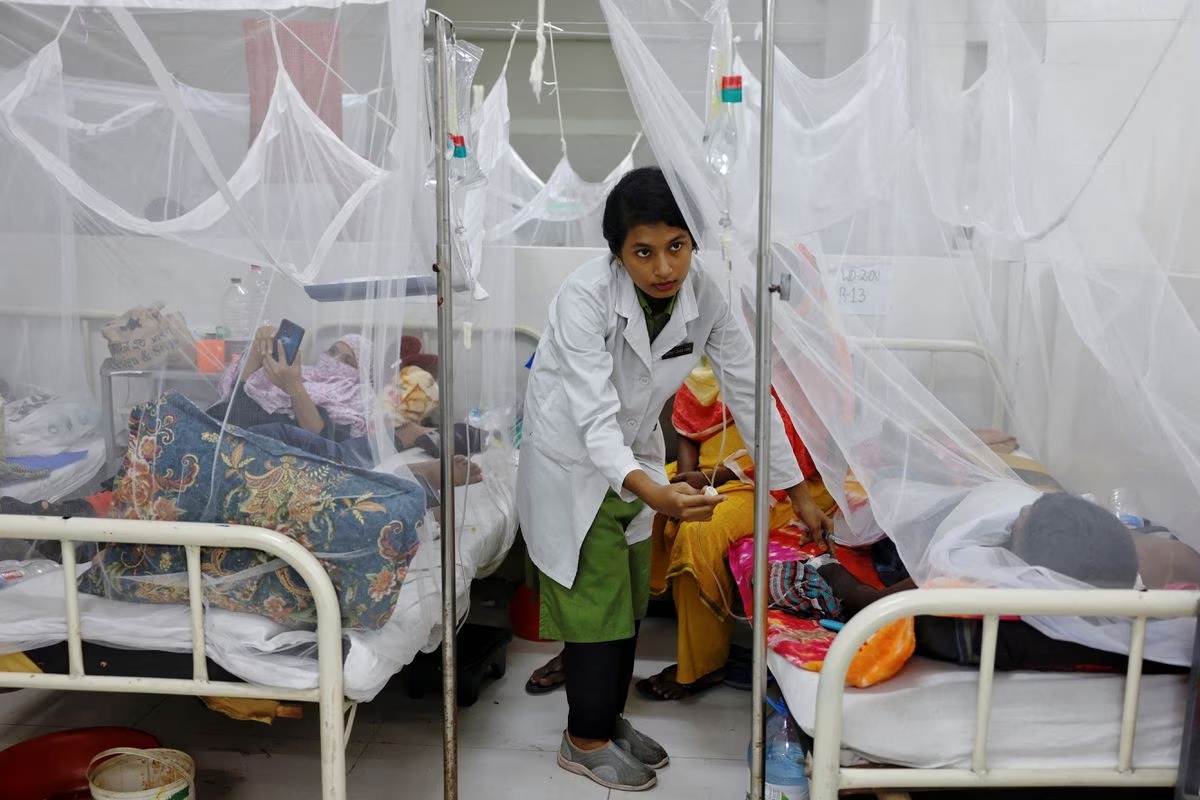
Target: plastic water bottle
(258,281)
(16,571)
(238,313)
(785,756)
(1124,505)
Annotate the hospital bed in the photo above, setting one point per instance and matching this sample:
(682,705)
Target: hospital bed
(330,667)
(328,689)
(19,327)
(940,726)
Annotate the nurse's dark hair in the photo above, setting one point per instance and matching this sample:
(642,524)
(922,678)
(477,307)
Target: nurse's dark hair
(641,197)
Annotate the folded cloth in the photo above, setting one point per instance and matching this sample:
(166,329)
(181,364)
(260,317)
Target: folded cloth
(18,662)
(47,463)
(14,473)
(797,588)
(999,441)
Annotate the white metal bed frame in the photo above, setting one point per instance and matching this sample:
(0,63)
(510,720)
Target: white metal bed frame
(192,536)
(828,777)
(935,348)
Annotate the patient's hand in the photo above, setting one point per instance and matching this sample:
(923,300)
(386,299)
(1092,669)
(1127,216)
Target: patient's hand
(695,479)
(259,349)
(407,433)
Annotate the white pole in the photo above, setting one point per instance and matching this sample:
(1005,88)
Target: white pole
(445,328)
(762,406)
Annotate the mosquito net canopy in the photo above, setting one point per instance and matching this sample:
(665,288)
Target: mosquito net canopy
(979,222)
(217,226)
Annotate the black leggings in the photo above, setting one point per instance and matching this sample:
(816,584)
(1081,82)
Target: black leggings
(598,678)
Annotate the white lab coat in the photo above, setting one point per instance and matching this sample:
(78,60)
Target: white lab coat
(595,393)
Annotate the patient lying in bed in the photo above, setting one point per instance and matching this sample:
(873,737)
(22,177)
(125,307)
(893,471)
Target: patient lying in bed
(1067,535)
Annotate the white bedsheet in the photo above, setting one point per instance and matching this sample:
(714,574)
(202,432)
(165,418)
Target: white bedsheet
(925,717)
(258,650)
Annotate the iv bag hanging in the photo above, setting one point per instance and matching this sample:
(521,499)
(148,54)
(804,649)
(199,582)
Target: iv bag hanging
(724,95)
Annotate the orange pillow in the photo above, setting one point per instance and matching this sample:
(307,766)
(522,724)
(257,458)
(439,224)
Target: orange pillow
(881,656)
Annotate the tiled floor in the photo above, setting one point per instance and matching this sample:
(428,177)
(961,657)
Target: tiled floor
(507,740)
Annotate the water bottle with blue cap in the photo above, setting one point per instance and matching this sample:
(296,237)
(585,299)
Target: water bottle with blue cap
(785,755)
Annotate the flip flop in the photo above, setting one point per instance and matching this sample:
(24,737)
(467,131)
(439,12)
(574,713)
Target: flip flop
(651,688)
(556,677)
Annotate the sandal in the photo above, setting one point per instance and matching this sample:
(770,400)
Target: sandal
(663,686)
(548,677)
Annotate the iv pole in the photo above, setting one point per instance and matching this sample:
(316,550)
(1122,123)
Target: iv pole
(444,34)
(762,405)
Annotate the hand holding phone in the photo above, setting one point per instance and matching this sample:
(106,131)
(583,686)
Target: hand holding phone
(290,335)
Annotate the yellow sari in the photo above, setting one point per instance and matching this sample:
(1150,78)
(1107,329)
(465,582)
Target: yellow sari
(690,558)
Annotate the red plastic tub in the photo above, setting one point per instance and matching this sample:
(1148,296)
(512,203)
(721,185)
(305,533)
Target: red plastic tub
(54,766)
(524,614)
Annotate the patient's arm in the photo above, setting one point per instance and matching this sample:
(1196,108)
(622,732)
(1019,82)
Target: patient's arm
(689,455)
(431,471)
(688,467)
(853,593)
(1163,562)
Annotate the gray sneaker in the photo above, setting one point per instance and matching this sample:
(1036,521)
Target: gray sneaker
(639,745)
(610,766)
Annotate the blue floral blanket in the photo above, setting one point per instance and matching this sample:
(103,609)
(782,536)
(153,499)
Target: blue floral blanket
(180,465)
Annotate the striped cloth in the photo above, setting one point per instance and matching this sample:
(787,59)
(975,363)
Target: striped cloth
(797,588)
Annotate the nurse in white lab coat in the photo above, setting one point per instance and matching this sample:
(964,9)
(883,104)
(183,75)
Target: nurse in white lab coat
(624,331)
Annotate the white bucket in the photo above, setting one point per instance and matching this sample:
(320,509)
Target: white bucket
(126,773)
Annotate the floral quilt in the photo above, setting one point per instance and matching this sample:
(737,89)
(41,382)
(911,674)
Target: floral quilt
(804,642)
(180,466)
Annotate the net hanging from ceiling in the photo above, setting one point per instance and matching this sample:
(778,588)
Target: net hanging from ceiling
(1012,183)
(178,176)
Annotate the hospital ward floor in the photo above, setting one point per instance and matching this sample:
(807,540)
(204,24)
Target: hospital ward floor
(507,740)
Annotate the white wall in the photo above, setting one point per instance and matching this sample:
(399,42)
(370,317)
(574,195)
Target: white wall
(1157,154)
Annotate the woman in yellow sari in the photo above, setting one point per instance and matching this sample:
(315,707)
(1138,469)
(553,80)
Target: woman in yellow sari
(689,558)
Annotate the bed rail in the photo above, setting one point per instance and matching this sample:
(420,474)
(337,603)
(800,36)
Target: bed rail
(192,536)
(935,348)
(828,777)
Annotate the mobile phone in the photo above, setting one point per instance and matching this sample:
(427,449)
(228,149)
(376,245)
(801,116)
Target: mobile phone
(291,335)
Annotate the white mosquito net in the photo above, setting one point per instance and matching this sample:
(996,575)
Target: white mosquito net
(177,176)
(566,211)
(979,215)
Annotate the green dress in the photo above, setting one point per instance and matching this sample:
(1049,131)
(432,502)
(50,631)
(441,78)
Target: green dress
(612,585)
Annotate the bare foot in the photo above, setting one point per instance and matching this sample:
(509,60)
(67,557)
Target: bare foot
(466,471)
(547,677)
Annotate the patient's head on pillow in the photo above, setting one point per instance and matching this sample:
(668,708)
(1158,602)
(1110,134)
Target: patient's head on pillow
(411,396)
(411,356)
(1077,539)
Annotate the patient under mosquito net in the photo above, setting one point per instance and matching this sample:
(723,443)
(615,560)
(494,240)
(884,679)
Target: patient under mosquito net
(998,205)
(153,155)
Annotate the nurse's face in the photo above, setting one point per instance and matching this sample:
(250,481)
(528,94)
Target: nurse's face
(658,258)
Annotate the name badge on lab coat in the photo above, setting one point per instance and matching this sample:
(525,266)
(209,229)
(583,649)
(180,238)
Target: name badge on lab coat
(679,351)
